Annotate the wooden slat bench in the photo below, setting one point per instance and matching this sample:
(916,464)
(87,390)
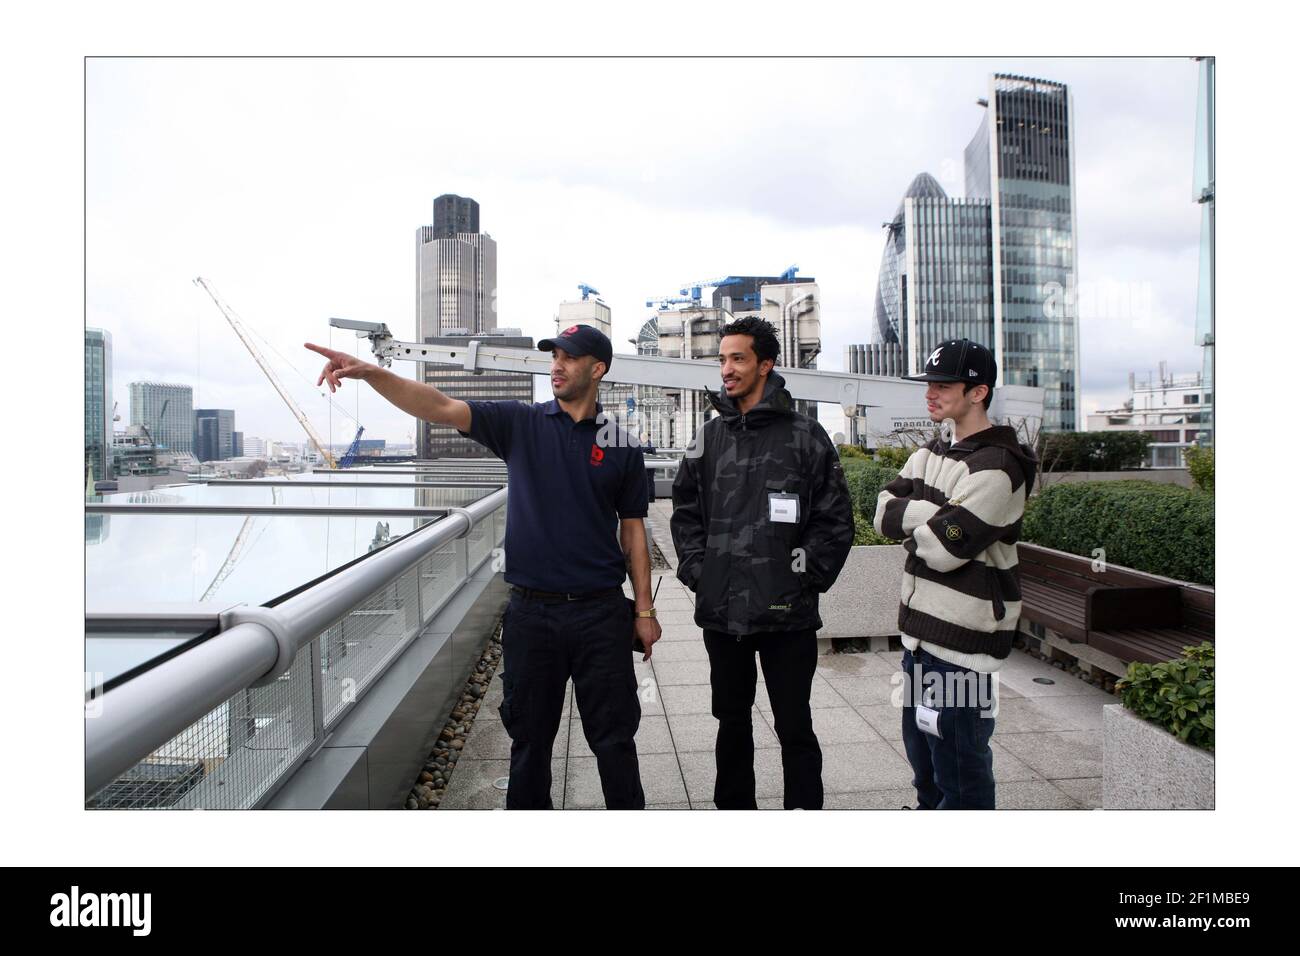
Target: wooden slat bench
(1128,614)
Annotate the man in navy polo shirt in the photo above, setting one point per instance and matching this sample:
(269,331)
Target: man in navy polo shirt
(574,527)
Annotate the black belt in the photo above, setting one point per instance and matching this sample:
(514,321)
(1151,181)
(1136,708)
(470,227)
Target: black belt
(532,595)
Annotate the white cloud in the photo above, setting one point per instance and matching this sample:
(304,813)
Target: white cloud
(296,186)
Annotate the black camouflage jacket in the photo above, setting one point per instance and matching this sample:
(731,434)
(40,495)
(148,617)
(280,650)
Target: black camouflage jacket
(749,573)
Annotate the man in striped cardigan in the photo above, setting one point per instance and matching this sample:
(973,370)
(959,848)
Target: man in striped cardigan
(957,506)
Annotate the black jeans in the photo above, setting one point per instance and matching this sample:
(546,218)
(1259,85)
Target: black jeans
(789,660)
(543,644)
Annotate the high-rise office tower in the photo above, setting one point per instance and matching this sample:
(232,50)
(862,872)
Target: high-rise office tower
(455,271)
(935,279)
(214,430)
(99,404)
(455,295)
(1021,160)
(998,266)
(441,441)
(167,411)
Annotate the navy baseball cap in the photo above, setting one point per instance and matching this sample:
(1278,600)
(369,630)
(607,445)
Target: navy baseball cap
(959,360)
(581,340)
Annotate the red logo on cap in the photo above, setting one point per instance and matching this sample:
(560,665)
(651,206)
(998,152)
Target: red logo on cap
(597,456)
(570,330)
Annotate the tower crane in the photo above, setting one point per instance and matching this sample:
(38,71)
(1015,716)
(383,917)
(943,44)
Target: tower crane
(275,381)
(669,300)
(695,289)
(236,550)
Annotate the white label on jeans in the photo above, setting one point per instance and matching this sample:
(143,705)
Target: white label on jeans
(783,509)
(927,721)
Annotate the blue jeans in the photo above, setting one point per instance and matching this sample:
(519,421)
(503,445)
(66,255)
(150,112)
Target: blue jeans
(955,771)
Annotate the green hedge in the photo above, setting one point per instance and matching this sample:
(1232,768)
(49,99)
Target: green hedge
(1161,529)
(865,479)
(1092,451)
(852,451)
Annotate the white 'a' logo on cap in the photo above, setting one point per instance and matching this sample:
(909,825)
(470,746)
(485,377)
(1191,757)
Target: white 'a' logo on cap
(934,356)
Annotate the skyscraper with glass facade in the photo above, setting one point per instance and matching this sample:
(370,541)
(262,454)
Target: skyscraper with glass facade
(1021,160)
(214,434)
(167,411)
(935,279)
(99,403)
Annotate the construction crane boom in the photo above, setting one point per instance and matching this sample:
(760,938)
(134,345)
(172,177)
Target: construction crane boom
(241,539)
(275,381)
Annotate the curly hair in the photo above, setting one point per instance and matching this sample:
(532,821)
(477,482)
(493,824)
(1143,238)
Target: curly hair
(766,345)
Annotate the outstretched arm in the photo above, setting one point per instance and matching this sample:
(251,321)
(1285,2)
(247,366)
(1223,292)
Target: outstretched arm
(415,398)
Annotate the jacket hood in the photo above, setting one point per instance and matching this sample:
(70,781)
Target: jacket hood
(776,400)
(1003,436)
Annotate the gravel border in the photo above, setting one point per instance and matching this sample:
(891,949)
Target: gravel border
(431,785)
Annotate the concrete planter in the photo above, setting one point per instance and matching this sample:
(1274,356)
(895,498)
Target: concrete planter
(1145,767)
(864,599)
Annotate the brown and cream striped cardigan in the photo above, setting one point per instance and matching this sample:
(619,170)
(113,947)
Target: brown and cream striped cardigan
(957,509)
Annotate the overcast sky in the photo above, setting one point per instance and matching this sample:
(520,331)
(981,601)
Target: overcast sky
(296,187)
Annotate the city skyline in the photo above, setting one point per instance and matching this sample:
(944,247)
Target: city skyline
(315,221)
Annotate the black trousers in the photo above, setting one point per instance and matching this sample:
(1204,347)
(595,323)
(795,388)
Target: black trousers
(789,660)
(543,644)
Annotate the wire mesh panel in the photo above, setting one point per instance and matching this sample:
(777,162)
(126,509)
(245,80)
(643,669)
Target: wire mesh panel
(358,648)
(439,577)
(480,542)
(228,759)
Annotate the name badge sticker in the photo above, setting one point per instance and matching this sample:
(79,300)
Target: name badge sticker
(783,508)
(927,721)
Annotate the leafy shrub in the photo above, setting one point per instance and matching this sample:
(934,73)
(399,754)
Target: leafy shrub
(1200,463)
(1178,695)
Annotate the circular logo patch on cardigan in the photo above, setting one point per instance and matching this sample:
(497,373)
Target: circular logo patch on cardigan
(953,532)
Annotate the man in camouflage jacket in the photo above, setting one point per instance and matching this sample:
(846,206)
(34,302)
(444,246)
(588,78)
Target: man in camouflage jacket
(762,523)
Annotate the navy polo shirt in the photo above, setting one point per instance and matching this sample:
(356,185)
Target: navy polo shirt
(567,493)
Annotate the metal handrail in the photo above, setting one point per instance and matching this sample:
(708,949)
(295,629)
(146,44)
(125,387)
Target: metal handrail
(290,483)
(244,511)
(142,714)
